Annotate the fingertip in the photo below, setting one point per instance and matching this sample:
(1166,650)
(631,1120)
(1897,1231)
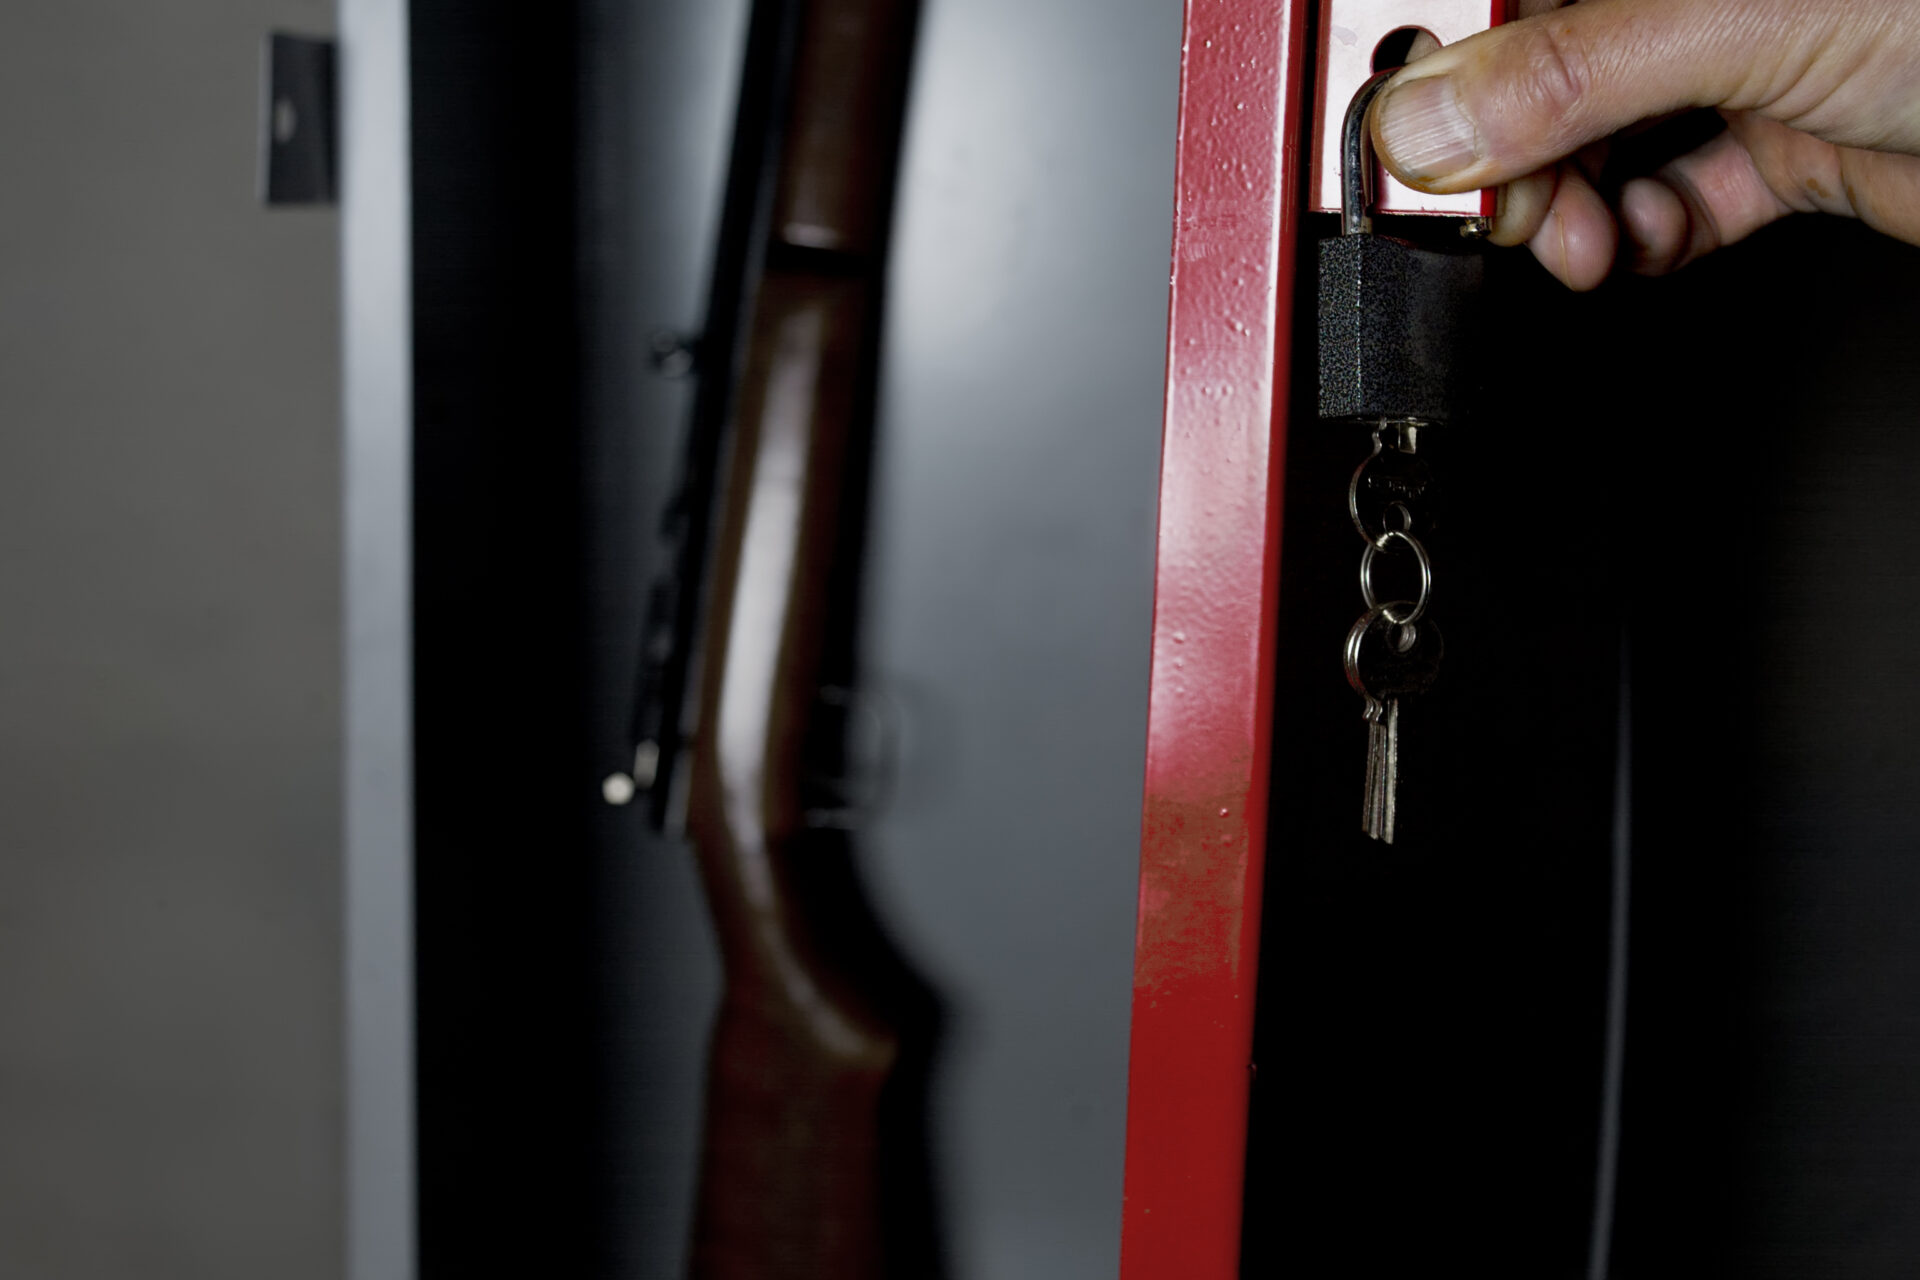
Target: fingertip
(1423,44)
(1578,238)
(1420,132)
(1523,208)
(1653,226)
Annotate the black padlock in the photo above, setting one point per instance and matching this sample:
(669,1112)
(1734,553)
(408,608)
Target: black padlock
(1399,324)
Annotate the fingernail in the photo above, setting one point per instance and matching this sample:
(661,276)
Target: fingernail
(1424,130)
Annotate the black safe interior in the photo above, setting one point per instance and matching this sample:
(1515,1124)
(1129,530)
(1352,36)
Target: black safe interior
(1684,513)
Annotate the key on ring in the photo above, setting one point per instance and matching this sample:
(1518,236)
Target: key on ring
(1388,661)
(1395,487)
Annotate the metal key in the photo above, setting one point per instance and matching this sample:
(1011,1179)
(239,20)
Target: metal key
(1395,488)
(1387,661)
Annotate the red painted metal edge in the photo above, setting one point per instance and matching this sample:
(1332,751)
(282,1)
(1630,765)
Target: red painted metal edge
(1243,118)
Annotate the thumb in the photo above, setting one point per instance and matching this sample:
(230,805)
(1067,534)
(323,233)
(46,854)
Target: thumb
(1508,102)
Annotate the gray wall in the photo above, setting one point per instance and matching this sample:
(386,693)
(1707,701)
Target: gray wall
(169,657)
(1012,593)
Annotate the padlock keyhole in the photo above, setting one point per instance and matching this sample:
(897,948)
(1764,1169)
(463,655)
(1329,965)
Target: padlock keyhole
(1403,45)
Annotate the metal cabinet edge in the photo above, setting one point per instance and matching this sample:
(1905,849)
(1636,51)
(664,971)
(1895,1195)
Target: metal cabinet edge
(1239,169)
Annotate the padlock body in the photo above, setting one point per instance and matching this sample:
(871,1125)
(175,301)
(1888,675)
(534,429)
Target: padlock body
(1399,329)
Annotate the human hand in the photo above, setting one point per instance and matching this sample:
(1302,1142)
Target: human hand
(1821,99)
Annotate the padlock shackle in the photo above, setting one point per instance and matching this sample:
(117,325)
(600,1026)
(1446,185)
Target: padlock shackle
(1356,158)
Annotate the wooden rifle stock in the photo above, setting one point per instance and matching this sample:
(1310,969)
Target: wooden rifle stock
(810,1037)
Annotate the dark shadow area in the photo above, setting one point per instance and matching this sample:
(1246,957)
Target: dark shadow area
(503,964)
(1720,462)
(1772,1118)
(1432,1012)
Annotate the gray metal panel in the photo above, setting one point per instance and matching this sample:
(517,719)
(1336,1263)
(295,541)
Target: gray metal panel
(169,659)
(378,348)
(1011,596)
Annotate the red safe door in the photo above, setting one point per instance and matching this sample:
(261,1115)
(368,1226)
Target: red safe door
(1242,122)
(1245,175)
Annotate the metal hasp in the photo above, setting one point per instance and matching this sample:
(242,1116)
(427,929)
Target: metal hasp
(1350,33)
(298,120)
(1238,195)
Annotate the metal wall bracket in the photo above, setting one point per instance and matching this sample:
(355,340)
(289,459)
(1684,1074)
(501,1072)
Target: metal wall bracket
(1350,32)
(298,122)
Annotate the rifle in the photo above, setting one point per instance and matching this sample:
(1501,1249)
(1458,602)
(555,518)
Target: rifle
(813,1156)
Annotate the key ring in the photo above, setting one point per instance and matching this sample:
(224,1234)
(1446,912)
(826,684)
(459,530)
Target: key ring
(1426,576)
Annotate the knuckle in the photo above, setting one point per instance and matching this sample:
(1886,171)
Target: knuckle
(1555,76)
